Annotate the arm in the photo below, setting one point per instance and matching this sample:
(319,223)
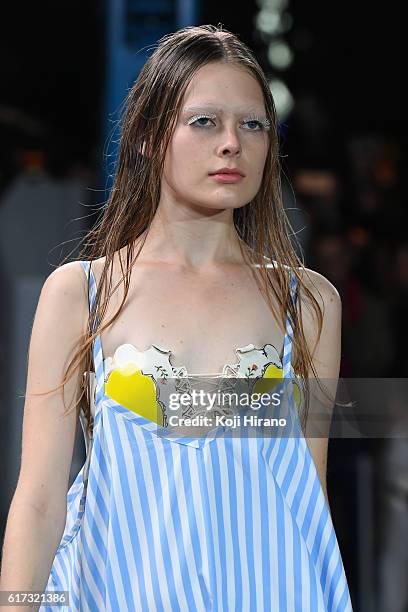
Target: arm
(326,360)
(37,513)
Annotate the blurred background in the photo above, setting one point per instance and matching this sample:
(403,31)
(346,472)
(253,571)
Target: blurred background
(335,70)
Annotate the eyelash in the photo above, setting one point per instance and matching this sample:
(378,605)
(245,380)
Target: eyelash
(264,124)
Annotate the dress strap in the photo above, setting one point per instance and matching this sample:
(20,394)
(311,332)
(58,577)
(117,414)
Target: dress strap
(287,349)
(96,344)
(292,424)
(96,348)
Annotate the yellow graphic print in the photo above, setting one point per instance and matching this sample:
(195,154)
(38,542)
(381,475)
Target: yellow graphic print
(128,386)
(271,378)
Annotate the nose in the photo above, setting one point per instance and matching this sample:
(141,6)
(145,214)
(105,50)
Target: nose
(230,142)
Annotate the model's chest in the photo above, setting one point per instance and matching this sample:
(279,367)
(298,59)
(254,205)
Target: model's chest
(202,323)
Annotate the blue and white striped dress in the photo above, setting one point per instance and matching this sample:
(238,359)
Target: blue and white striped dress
(158,522)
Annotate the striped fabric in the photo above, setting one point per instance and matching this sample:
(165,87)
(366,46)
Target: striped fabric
(221,523)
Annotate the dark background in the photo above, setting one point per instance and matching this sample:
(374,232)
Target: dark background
(351,55)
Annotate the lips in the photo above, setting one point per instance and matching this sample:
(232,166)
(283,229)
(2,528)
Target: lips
(229,177)
(233,171)
(226,174)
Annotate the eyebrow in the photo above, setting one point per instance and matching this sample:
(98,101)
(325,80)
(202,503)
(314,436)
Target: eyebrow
(208,105)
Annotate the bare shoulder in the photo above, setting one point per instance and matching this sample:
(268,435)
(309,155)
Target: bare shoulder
(329,301)
(61,315)
(67,282)
(320,286)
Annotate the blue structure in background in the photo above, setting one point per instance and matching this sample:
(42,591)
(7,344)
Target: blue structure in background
(133,28)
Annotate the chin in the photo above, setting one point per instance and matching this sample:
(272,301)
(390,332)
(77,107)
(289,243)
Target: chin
(218,206)
(219,201)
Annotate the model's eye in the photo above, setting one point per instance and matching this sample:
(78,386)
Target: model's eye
(202,119)
(196,119)
(260,124)
(257,124)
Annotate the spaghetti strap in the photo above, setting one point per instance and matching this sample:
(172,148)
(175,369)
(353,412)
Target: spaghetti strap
(287,348)
(290,411)
(97,343)
(83,482)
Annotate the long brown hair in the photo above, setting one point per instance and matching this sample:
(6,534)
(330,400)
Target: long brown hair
(264,231)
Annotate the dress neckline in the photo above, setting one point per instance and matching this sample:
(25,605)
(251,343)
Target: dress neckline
(165,351)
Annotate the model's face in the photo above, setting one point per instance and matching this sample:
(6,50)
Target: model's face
(222,123)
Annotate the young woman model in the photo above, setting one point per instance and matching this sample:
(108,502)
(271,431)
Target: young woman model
(156,521)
